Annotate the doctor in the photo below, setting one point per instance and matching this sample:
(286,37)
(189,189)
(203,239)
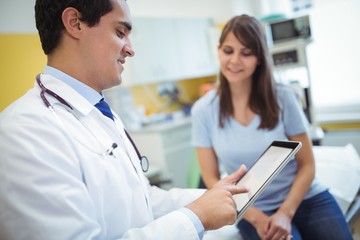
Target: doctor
(68,171)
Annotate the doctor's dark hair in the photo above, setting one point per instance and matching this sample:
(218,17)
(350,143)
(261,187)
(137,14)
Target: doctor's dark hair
(48,17)
(249,31)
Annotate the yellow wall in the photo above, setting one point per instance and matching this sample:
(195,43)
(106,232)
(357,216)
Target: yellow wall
(21,59)
(340,126)
(147,96)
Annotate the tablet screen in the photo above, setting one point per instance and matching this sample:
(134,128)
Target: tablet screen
(262,172)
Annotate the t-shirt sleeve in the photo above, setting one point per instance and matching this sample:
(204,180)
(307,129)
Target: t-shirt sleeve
(201,126)
(292,113)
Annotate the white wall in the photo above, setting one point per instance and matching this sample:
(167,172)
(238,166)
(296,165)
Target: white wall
(334,56)
(215,9)
(17,16)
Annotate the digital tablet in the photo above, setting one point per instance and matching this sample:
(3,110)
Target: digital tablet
(263,171)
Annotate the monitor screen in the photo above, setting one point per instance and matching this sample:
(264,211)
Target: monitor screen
(283,30)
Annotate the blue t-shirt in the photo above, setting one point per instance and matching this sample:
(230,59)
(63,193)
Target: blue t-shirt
(236,144)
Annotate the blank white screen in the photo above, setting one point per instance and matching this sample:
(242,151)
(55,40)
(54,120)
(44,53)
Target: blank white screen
(260,173)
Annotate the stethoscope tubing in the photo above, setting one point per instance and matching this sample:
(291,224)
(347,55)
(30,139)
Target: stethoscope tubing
(51,93)
(144,162)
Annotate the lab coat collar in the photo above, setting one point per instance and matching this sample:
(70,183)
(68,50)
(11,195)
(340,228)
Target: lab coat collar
(77,101)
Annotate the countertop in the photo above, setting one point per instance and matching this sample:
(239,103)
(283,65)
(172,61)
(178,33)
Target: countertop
(164,125)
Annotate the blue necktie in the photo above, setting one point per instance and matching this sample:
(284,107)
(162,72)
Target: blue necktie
(104,109)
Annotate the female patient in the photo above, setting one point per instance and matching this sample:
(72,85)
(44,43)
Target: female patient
(233,124)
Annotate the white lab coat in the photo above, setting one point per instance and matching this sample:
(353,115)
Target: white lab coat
(56,182)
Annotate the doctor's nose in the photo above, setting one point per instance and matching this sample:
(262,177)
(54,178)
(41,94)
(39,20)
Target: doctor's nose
(129,52)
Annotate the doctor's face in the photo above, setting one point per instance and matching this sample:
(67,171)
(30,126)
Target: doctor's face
(105,47)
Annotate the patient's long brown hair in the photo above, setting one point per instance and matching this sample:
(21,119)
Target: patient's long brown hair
(263,101)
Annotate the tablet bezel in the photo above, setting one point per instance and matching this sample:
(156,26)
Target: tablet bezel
(294,146)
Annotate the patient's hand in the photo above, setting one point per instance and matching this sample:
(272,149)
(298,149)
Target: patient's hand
(277,226)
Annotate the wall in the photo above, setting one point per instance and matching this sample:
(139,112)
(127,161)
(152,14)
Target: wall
(17,16)
(147,96)
(342,138)
(335,47)
(219,11)
(334,56)
(21,59)
(21,55)
(20,47)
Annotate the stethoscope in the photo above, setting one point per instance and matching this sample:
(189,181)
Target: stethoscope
(144,162)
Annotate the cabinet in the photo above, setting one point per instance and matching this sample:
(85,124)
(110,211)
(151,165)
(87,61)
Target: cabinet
(155,50)
(168,49)
(195,53)
(168,147)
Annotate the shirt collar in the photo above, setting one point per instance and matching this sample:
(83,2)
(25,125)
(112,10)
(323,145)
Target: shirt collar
(87,92)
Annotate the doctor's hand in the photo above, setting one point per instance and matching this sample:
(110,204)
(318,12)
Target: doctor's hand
(216,207)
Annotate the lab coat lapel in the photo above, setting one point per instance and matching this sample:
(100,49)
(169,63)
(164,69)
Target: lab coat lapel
(83,116)
(131,153)
(99,133)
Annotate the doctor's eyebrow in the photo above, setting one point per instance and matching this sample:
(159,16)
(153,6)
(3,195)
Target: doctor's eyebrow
(127,25)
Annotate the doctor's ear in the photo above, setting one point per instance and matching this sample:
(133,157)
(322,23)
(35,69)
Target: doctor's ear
(71,20)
